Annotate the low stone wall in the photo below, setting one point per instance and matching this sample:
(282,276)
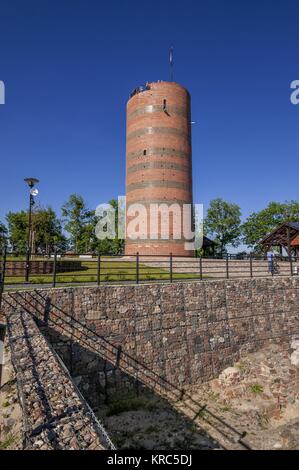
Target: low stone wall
(18,268)
(55,415)
(185,333)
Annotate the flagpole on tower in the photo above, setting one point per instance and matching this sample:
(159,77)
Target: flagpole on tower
(171,63)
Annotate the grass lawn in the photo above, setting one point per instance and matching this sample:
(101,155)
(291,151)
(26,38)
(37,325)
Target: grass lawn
(110,271)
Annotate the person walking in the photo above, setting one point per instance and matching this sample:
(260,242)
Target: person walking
(270,259)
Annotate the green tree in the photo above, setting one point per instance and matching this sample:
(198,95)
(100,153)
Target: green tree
(106,246)
(3,234)
(259,224)
(117,245)
(78,222)
(223,222)
(46,230)
(17,230)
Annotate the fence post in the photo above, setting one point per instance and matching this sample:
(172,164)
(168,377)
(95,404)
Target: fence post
(27,267)
(227,267)
(200,267)
(2,337)
(2,273)
(251,267)
(54,267)
(1,288)
(137,268)
(99,270)
(170,266)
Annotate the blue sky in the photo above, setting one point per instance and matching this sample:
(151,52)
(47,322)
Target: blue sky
(69,67)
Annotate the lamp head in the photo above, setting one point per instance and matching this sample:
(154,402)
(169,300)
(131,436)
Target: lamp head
(31,181)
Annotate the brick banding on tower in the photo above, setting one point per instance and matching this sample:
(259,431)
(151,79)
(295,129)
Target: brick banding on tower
(163,152)
(159,163)
(157,130)
(158,108)
(158,201)
(157,184)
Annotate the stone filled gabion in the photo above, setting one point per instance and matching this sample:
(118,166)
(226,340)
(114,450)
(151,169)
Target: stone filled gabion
(55,415)
(186,333)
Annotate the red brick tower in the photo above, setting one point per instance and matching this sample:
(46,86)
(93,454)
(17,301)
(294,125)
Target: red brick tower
(159,163)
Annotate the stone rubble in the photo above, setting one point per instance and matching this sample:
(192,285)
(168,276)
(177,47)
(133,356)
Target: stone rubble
(259,395)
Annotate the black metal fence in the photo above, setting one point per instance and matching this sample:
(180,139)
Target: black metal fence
(59,269)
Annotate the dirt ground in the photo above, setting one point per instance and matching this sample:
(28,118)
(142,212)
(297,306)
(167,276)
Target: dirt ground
(148,422)
(258,396)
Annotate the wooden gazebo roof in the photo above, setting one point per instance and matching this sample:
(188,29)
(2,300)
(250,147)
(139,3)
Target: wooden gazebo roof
(284,235)
(207,242)
(295,241)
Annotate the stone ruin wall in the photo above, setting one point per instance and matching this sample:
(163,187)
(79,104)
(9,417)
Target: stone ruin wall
(186,333)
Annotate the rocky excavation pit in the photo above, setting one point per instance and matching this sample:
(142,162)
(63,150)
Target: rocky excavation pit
(259,395)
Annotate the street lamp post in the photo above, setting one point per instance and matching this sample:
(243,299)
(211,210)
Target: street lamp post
(32,193)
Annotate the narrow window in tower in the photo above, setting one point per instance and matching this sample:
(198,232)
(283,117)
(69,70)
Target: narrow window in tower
(164,105)
(144,152)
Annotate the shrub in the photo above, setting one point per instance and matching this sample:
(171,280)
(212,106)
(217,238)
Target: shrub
(256,388)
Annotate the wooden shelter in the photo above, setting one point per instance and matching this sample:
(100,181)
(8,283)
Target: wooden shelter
(286,236)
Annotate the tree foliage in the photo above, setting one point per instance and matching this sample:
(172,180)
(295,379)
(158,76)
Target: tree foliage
(18,229)
(107,246)
(259,224)
(46,229)
(80,222)
(77,219)
(3,235)
(117,245)
(223,222)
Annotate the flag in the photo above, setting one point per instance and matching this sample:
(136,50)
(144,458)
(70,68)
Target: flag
(171,56)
